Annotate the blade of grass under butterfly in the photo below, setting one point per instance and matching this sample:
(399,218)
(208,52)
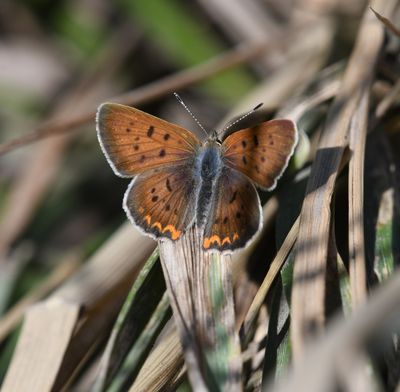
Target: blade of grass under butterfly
(200,288)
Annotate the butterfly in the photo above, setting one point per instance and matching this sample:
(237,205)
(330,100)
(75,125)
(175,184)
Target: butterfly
(180,181)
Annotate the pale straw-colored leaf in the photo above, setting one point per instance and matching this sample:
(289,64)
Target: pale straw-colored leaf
(34,366)
(357,140)
(201,294)
(162,368)
(387,22)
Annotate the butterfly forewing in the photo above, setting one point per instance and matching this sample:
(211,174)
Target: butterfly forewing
(261,152)
(162,202)
(236,213)
(134,141)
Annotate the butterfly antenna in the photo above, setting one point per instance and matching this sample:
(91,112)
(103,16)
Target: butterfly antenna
(240,118)
(190,112)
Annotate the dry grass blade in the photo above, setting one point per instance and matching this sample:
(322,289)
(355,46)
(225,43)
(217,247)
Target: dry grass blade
(141,95)
(357,140)
(162,367)
(389,25)
(34,366)
(308,311)
(273,271)
(201,294)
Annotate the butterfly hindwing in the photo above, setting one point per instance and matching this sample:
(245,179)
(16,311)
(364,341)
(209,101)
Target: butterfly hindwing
(161,201)
(235,215)
(134,141)
(261,152)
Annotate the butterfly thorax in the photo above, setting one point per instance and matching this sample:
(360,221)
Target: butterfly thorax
(209,160)
(207,170)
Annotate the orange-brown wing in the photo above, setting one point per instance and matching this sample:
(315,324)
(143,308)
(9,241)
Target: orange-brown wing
(261,152)
(161,202)
(134,141)
(235,216)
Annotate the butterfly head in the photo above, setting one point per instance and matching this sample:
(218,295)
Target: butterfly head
(214,137)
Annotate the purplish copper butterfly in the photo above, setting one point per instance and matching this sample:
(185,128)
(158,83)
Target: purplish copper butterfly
(180,181)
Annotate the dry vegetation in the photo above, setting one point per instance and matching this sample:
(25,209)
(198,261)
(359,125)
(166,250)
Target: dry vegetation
(87,303)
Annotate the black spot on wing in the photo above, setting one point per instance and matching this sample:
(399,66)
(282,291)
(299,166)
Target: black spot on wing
(168,185)
(150,131)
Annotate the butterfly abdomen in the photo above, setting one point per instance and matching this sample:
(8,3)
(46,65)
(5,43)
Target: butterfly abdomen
(207,169)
